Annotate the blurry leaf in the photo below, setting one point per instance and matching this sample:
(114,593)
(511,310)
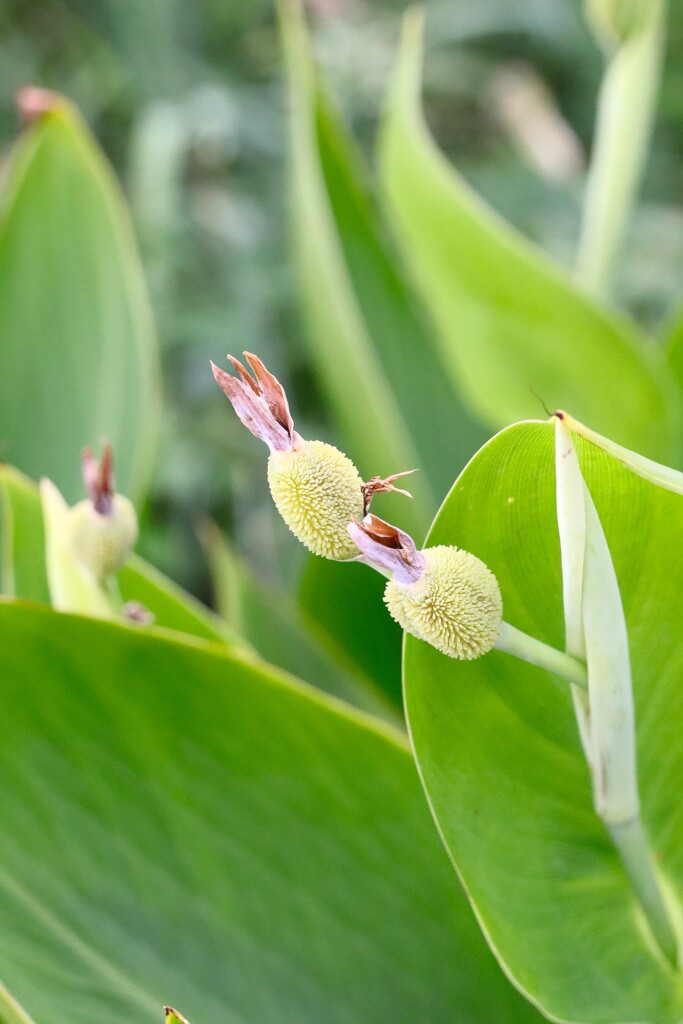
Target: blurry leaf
(508,319)
(498,747)
(346,600)
(399,330)
(181,826)
(627,106)
(173,1017)
(22,557)
(10,1011)
(24,574)
(171,606)
(673,338)
(285,635)
(344,323)
(78,354)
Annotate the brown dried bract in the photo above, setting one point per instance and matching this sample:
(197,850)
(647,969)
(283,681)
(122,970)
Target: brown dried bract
(98,478)
(379,484)
(259,401)
(388,547)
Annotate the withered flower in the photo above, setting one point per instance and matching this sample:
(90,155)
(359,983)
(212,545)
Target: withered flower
(102,529)
(442,595)
(316,488)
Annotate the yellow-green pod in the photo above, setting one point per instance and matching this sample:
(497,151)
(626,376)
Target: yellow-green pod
(455,605)
(318,491)
(102,542)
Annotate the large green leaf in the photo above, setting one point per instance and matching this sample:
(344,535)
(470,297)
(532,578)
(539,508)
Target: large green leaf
(286,635)
(498,748)
(370,342)
(181,827)
(346,602)
(77,353)
(509,320)
(23,572)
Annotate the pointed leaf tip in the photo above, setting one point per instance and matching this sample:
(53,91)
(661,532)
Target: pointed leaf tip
(172,1016)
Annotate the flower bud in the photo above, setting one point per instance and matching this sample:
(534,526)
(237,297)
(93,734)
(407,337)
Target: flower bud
(102,543)
(455,605)
(101,531)
(316,488)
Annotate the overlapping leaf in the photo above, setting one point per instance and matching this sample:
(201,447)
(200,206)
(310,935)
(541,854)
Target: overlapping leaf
(181,827)
(498,749)
(287,635)
(77,348)
(370,341)
(509,320)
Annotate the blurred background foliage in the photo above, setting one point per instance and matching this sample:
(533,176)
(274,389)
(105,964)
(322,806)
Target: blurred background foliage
(188,102)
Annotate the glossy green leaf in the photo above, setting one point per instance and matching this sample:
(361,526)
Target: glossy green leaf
(508,319)
(285,635)
(371,344)
(78,354)
(346,602)
(498,747)
(182,827)
(24,573)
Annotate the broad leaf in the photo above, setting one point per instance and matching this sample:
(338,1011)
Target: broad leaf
(509,320)
(370,343)
(77,358)
(24,574)
(285,635)
(181,827)
(498,748)
(346,602)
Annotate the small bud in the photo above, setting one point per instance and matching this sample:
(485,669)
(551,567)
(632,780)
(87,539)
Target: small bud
(442,595)
(316,488)
(102,530)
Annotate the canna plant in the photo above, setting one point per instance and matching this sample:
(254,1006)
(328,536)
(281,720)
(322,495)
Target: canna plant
(224,813)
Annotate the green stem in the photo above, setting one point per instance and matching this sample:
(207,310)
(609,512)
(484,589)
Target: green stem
(521,645)
(631,843)
(626,109)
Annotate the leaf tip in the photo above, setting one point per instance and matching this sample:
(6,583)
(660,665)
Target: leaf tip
(34,103)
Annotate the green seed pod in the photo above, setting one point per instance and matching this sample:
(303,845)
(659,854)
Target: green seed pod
(318,491)
(455,605)
(102,542)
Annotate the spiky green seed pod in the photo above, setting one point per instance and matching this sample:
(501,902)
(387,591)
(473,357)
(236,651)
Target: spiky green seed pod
(102,542)
(318,491)
(455,605)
